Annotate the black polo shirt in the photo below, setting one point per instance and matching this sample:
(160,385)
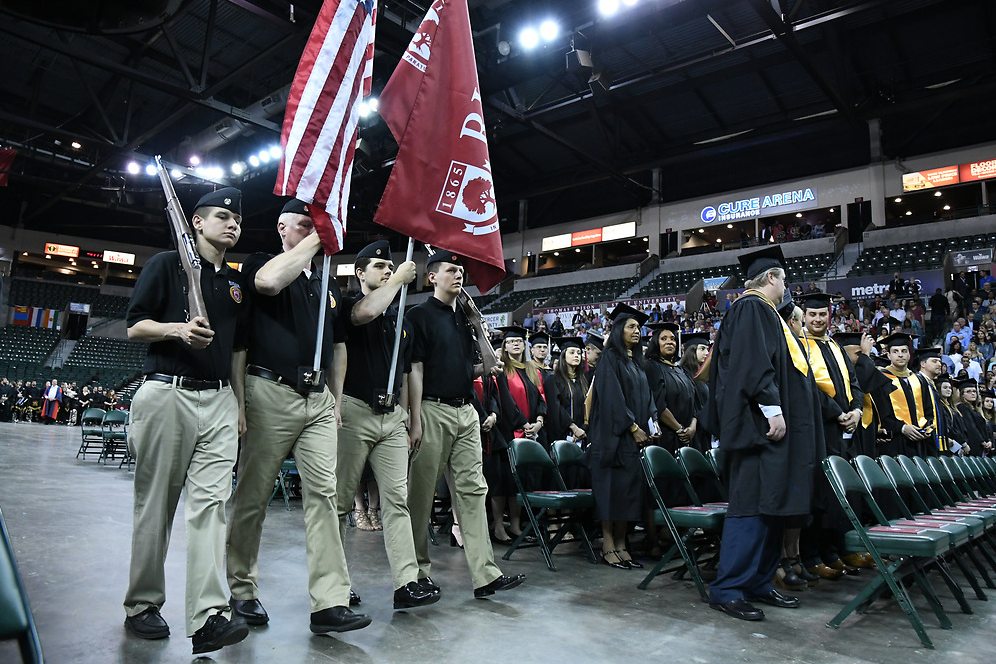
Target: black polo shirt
(369,348)
(283,327)
(161,295)
(442,341)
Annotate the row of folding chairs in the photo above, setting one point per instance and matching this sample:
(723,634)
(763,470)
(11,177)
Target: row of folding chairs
(105,433)
(946,511)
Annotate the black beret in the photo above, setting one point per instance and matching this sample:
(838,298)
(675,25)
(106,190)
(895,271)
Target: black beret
(444,256)
(229,198)
(297,206)
(379,249)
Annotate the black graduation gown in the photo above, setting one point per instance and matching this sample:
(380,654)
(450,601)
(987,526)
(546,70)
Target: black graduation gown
(703,437)
(752,366)
(621,398)
(564,406)
(833,407)
(672,389)
(900,444)
(870,381)
(511,417)
(953,424)
(494,447)
(975,428)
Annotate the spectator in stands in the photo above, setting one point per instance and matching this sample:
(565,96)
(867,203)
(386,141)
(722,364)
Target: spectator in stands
(961,287)
(897,286)
(958,332)
(953,357)
(793,233)
(976,313)
(669,315)
(938,313)
(987,279)
(984,341)
(557,327)
(778,232)
(7,397)
(805,231)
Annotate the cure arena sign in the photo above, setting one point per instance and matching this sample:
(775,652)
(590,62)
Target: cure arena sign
(748,208)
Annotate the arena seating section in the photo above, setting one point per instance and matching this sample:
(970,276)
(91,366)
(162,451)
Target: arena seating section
(583,292)
(925,255)
(50,295)
(111,362)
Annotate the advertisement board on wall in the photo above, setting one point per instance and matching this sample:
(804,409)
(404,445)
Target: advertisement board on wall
(496,320)
(766,204)
(869,287)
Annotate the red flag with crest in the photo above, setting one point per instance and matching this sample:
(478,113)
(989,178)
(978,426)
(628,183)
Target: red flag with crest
(441,191)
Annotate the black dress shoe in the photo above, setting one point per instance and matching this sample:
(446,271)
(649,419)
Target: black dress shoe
(740,609)
(337,619)
(501,583)
(218,632)
(427,584)
(250,609)
(775,598)
(411,595)
(618,562)
(148,624)
(354,599)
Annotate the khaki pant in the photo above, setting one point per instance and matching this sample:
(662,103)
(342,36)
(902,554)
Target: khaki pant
(281,421)
(181,439)
(382,438)
(451,439)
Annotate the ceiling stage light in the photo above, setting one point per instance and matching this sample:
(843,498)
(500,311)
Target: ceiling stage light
(529,38)
(549,30)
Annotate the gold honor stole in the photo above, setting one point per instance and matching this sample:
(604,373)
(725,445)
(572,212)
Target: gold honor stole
(900,406)
(799,360)
(819,364)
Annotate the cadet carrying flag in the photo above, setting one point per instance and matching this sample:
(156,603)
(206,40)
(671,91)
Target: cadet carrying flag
(441,189)
(320,126)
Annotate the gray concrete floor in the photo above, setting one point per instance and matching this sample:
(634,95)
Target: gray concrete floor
(70,521)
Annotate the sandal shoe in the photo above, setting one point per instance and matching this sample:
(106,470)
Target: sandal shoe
(374,518)
(362,520)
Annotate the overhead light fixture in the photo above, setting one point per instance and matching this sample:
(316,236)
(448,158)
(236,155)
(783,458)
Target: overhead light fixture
(815,115)
(275,151)
(374,104)
(943,84)
(798,215)
(254,161)
(898,199)
(363,109)
(723,138)
(578,250)
(176,174)
(556,253)
(831,209)
(48,256)
(150,169)
(133,167)
(264,156)
(238,168)
(195,160)
(504,48)
(909,213)
(529,38)
(946,207)
(76,145)
(729,225)
(549,30)
(937,193)
(129,271)
(608,7)
(701,230)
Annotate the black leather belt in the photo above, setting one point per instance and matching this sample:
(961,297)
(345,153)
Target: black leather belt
(456,403)
(186,383)
(266,374)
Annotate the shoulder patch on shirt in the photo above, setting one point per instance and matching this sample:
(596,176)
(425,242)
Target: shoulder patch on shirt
(331,301)
(236,293)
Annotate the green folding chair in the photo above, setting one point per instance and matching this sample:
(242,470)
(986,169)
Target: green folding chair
(289,467)
(557,506)
(90,430)
(16,621)
(114,431)
(697,467)
(659,466)
(907,548)
(959,530)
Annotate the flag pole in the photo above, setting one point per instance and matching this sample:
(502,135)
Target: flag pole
(320,336)
(397,327)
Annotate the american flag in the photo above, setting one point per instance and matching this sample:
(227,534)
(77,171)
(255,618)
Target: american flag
(318,140)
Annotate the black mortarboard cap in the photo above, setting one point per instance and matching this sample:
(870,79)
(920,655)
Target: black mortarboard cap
(569,342)
(297,206)
(881,361)
(816,301)
(848,338)
(962,383)
(942,379)
(695,339)
(229,198)
(987,393)
(539,338)
(595,340)
(926,353)
(624,310)
(444,256)
(897,339)
(755,262)
(675,329)
(512,332)
(380,249)
(787,305)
